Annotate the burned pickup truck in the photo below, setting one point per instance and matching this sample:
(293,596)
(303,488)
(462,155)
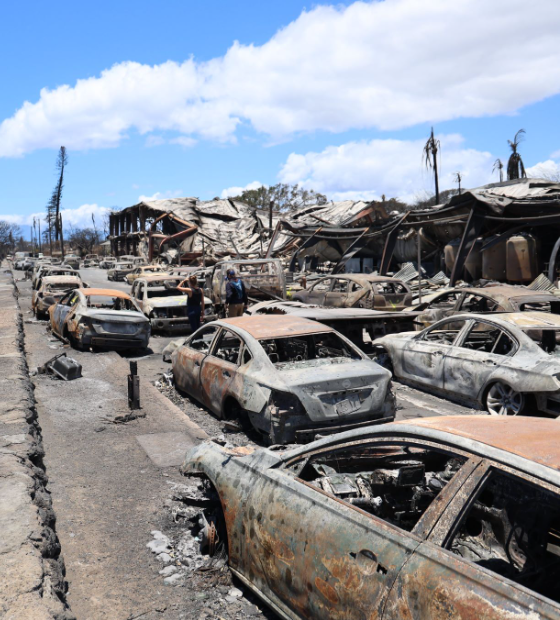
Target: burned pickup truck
(286,377)
(263,279)
(434,518)
(163,304)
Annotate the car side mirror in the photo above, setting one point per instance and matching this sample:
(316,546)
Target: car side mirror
(85,285)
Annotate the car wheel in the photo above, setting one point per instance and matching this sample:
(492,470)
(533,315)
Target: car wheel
(502,399)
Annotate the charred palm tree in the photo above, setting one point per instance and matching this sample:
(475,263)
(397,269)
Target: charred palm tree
(458,178)
(430,158)
(515,167)
(499,166)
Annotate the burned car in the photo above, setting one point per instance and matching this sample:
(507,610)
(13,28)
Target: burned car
(47,269)
(91,260)
(166,307)
(103,318)
(107,262)
(357,291)
(143,271)
(506,363)
(443,517)
(48,290)
(502,298)
(288,378)
(120,271)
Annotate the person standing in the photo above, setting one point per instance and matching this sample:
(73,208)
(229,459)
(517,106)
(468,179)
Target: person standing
(195,302)
(236,296)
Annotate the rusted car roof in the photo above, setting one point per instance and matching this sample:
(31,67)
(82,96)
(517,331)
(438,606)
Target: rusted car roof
(110,292)
(534,320)
(504,292)
(276,326)
(536,439)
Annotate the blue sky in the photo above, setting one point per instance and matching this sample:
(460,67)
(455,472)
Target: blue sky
(158,99)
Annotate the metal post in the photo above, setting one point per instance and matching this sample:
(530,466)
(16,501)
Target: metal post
(270,216)
(203,254)
(133,387)
(419,244)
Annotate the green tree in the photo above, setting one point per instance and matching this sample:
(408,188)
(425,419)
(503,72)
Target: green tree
(284,197)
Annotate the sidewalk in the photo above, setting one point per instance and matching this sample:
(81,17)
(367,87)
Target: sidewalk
(32,583)
(108,481)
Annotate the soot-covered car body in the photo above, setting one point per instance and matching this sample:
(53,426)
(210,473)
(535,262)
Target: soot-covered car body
(502,298)
(166,307)
(119,272)
(103,318)
(48,290)
(46,269)
(442,517)
(507,363)
(357,291)
(144,271)
(289,378)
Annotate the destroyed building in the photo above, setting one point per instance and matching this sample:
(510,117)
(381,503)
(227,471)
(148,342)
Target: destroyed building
(504,231)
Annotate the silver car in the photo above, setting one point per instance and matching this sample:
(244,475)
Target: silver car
(288,378)
(506,363)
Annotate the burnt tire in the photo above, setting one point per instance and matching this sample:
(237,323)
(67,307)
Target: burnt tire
(501,399)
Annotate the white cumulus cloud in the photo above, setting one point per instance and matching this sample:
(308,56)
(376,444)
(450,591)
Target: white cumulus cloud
(170,193)
(386,65)
(231,192)
(368,169)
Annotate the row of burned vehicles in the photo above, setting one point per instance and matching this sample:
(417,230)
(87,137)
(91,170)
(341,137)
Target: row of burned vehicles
(455,517)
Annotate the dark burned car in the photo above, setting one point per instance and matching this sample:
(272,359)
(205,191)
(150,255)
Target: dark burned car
(286,377)
(435,518)
(357,291)
(507,363)
(502,298)
(163,304)
(101,318)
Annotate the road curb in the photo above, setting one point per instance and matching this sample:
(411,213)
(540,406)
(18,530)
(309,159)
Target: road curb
(32,584)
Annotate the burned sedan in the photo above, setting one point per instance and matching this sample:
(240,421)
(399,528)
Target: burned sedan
(443,517)
(48,290)
(101,318)
(357,291)
(288,378)
(165,306)
(506,363)
(502,298)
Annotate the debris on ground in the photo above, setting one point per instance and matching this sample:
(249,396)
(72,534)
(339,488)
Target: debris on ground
(62,366)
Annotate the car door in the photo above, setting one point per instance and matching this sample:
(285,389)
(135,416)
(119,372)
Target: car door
(337,296)
(317,292)
(61,311)
(219,369)
(494,554)
(319,546)
(468,364)
(188,359)
(422,357)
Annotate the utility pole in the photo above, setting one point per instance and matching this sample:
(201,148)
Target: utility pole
(419,244)
(270,216)
(39,225)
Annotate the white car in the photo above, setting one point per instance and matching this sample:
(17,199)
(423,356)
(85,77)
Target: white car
(507,363)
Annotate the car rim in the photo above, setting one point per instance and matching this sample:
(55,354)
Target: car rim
(503,400)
